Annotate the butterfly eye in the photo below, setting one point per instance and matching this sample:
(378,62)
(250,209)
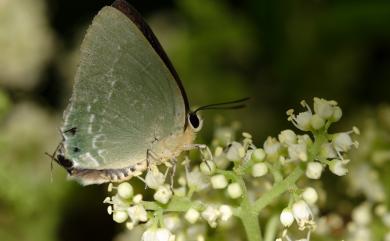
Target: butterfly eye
(195,121)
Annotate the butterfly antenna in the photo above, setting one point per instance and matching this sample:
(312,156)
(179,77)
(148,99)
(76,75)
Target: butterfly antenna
(53,158)
(235,104)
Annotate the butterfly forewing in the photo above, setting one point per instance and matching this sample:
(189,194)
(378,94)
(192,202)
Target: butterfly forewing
(124,97)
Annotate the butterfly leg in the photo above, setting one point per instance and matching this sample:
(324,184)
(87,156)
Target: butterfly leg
(173,163)
(204,151)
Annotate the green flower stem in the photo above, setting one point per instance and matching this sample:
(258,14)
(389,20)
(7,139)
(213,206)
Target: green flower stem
(277,190)
(245,212)
(250,221)
(271,228)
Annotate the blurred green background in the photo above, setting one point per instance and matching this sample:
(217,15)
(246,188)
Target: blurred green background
(276,52)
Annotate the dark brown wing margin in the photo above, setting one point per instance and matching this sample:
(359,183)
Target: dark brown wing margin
(136,18)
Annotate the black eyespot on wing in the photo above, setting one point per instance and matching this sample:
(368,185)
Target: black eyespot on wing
(66,163)
(76,149)
(194,120)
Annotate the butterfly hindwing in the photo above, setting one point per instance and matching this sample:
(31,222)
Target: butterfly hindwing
(124,97)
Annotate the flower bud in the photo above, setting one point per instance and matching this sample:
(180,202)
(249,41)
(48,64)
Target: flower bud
(259,169)
(323,108)
(192,215)
(160,234)
(287,137)
(125,190)
(337,114)
(314,170)
(310,195)
(226,212)
(234,190)
(163,194)
(218,181)
(119,216)
(286,217)
(317,122)
(258,155)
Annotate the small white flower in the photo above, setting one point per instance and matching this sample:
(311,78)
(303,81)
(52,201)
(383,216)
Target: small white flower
(314,170)
(125,190)
(137,213)
(207,167)
(317,122)
(362,214)
(197,180)
(259,169)
(234,190)
(173,222)
(119,216)
(163,194)
(342,142)
(226,212)
(297,152)
(154,178)
(337,113)
(192,215)
(327,151)
(302,214)
(338,167)
(211,215)
(287,137)
(310,195)
(286,217)
(324,108)
(160,234)
(235,152)
(302,120)
(304,139)
(137,198)
(219,181)
(271,146)
(258,155)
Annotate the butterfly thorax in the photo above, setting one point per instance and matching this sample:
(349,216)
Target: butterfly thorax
(168,148)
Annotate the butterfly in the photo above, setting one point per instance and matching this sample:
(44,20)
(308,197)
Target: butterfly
(128,107)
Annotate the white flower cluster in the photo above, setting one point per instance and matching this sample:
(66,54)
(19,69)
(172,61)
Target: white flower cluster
(326,149)
(198,192)
(125,206)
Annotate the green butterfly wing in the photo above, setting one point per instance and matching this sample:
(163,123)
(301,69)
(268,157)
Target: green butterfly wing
(124,97)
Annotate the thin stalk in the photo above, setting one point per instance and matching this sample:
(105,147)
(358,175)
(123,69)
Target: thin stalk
(277,190)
